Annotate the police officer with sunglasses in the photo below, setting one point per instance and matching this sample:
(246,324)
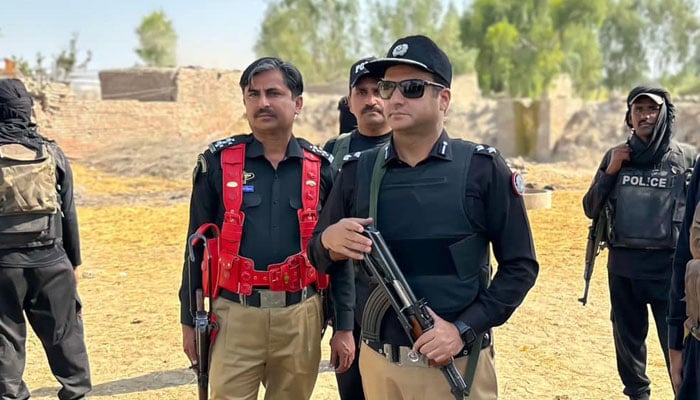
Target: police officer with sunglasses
(440,203)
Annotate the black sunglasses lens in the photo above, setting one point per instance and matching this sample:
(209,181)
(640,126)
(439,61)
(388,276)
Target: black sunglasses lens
(386,89)
(412,88)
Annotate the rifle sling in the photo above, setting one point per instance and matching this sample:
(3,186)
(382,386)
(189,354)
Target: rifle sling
(472,362)
(378,172)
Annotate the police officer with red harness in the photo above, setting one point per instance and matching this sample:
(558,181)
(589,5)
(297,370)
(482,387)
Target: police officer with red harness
(264,191)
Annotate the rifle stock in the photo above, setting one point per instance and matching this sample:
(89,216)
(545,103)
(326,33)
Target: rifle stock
(597,235)
(412,313)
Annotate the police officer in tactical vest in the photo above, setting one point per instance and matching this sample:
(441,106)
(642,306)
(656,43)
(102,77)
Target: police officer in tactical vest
(39,253)
(372,131)
(642,185)
(440,202)
(264,191)
(684,300)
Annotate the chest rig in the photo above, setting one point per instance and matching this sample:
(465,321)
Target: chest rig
(236,273)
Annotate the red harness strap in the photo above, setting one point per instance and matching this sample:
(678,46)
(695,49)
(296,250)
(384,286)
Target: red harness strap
(236,273)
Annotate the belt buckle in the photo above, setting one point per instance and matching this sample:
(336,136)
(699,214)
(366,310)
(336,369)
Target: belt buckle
(410,358)
(272,299)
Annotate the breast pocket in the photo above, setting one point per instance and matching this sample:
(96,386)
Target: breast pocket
(251,200)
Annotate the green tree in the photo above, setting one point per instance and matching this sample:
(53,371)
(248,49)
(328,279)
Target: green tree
(577,24)
(390,20)
(524,44)
(640,34)
(317,36)
(66,59)
(158,40)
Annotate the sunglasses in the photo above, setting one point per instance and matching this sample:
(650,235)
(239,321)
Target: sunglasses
(409,88)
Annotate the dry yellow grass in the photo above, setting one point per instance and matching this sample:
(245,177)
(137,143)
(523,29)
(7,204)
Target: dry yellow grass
(552,348)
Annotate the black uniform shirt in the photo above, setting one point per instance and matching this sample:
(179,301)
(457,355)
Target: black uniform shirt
(676,310)
(271,199)
(494,209)
(69,246)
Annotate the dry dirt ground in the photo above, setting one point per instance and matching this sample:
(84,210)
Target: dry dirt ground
(133,231)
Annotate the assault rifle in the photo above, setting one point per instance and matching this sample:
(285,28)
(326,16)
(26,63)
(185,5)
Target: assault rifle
(412,313)
(205,326)
(597,236)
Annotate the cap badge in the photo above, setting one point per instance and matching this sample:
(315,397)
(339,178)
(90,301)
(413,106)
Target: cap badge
(360,67)
(400,50)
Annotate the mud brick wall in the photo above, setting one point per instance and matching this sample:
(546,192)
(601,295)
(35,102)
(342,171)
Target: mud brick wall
(208,105)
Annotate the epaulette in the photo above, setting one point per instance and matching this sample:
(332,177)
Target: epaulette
(200,168)
(221,144)
(315,149)
(485,150)
(352,156)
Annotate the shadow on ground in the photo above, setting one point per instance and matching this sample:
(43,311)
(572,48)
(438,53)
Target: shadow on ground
(152,381)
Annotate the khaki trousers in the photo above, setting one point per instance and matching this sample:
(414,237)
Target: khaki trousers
(385,380)
(280,347)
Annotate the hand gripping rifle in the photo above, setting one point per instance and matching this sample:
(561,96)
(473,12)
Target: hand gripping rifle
(205,326)
(597,235)
(412,313)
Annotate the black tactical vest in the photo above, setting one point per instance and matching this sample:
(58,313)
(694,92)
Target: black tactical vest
(421,215)
(648,203)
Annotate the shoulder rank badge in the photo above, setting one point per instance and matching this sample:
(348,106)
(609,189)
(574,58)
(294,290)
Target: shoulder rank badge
(488,150)
(518,184)
(200,167)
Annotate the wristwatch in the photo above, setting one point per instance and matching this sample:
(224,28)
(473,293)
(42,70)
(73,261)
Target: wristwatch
(466,332)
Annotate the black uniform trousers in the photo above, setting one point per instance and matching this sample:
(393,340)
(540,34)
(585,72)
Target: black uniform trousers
(690,387)
(630,322)
(350,381)
(49,298)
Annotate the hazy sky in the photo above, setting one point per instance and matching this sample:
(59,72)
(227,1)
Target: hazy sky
(211,33)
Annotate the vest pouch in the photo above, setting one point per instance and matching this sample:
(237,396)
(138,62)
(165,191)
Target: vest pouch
(25,230)
(27,180)
(470,255)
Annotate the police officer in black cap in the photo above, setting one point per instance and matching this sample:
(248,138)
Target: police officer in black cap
(440,203)
(372,131)
(368,108)
(39,253)
(641,183)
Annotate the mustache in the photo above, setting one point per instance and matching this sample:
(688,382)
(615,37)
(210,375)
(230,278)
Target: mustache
(371,109)
(265,112)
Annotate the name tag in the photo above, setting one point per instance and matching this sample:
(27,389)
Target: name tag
(248,188)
